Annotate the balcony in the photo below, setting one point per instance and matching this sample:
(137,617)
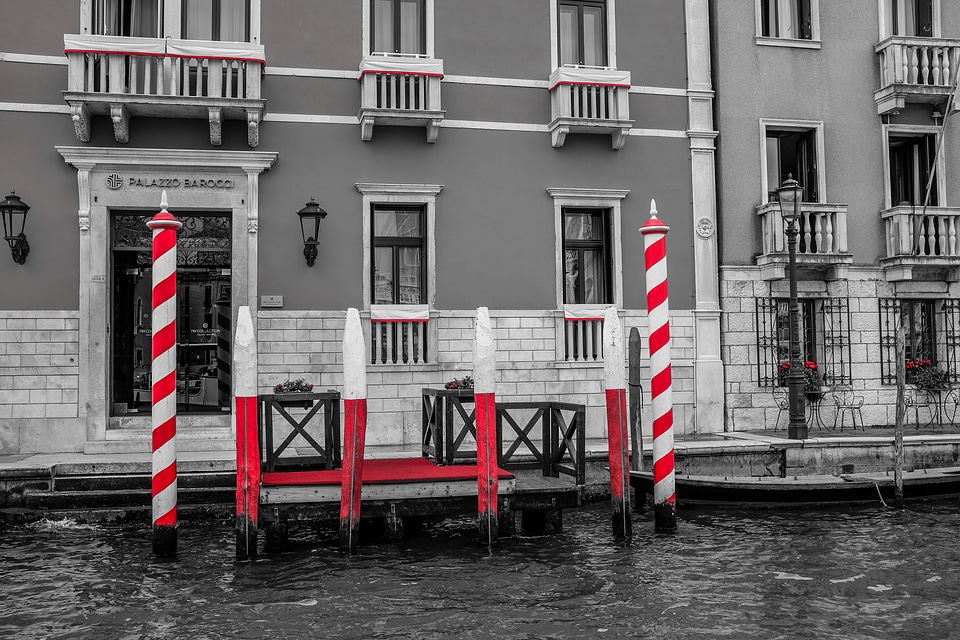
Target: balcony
(821,245)
(590,100)
(125,77)
(915,69)
(921,244)
(401,91)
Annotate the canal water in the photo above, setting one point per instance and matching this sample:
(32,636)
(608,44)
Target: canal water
(742,574)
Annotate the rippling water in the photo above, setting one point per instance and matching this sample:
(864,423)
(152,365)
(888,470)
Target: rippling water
(866,573)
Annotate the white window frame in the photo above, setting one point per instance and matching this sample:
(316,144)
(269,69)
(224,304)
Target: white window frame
(812,43)
(793,125)
(915,130)
(609,199)
(400,194)
(428,25)
(172,18)
(935,19)
(610,10)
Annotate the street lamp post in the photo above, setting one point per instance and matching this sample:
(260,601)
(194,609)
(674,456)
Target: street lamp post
(791,193)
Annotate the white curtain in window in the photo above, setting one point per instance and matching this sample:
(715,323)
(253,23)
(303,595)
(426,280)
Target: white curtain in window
(383,26)
(410,26)
(569,28)
(593,37)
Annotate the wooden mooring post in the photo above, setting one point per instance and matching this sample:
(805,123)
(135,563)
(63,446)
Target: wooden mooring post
(354,431)
(617,439)
(661,384)
(248,435)
(900,417)
(484,372)
(164,380)
(635,399)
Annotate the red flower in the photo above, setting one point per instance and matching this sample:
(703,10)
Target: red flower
(810,365)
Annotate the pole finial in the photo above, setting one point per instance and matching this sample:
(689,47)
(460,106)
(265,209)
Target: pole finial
(653,208)
(163,200)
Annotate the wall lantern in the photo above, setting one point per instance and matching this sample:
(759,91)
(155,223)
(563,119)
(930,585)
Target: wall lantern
(14,212)
(310,217)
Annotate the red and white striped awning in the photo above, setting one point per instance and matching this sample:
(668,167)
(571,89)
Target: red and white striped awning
(125,46)
(169,47)
(216,50)
(401,66)
(582,312)
(600,77)
(399,313)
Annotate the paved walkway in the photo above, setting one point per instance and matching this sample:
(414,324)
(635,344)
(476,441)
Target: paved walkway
(188,461)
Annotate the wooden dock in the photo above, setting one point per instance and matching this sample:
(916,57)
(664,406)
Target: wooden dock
(540,459)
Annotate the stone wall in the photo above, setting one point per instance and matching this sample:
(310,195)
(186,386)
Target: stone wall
(39,381)
(307,344)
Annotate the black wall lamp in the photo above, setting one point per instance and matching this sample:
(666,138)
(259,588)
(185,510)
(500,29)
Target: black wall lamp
(310,217)
(14,212)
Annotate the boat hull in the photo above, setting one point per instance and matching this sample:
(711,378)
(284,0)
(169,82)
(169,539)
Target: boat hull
(804,491)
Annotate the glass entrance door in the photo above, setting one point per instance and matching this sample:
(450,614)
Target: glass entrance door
(204,335)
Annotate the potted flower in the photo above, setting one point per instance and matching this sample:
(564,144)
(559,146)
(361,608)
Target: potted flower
(924,374)
(812,382)
(460,383)
(286,393)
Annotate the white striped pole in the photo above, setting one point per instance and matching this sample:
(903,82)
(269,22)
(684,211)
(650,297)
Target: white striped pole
(614,382)
(248,436)
(484,373)
(164,383)
(354,429)
(661,384)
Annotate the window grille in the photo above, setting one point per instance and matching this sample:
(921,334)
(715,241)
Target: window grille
(930,331)
(824,338)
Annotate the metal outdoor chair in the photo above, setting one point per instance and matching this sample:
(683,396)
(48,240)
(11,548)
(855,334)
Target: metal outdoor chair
(847,401)
(782,398)
(916,398)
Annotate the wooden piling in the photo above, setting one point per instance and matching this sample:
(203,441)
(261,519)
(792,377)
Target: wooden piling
(635,399)
(248,442)
(484,371)
(661,384)
(900,417)
(354,431)
(164,380)
(617,439)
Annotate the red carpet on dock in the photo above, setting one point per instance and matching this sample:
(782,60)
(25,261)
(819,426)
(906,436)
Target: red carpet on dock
(388,470)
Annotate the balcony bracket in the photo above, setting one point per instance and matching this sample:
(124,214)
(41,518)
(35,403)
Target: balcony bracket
(81,120)
(253,127)
(215,115)
(619,130)
(121,122)
(428,118)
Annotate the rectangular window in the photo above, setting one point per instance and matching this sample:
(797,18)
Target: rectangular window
(398,273)
(137,18)
(586,256)
(911,159)
(583,33)
(908,18)
(792,153)
(790,19)
(220,20)
(930,333)
(824,338)
(399,27)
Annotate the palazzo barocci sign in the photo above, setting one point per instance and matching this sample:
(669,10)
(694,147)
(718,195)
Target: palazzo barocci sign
(116,181)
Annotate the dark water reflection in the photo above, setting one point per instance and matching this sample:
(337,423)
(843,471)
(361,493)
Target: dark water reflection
(868,573)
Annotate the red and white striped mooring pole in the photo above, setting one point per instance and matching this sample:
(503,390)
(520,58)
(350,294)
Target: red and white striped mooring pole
(248,435)
(354,429)
(484,396)
(618,441)
(661,384)
(164,387)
